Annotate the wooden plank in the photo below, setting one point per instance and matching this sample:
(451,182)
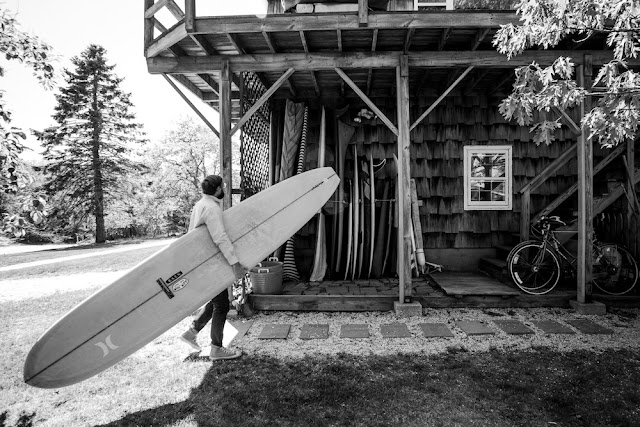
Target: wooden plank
(584,264)
(334,21)
(363,13)
(322,303)
(571,190)
(568,120)
(367,101)
(551,169)
(167,40)
(444,37)
(330,60)
(441,97)
(148,25)
(175,10)
(152,9)
(404,177)
(465,283)
(189,14)
(193,107)
(225,128)
(264,98)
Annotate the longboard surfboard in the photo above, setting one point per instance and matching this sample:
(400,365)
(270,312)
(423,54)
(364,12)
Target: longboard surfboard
(356,211)
(372,213)
(349,230)
(320,257)
(152,297)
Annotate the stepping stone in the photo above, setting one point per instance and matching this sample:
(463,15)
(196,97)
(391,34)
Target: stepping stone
(234,330)
(552,327)
(473,327)
(314,332)
(513,327)
(395,330)
(273,331)
(358,330)
(436,330)
(588,327)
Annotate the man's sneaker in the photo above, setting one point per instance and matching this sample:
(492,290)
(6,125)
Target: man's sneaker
(221,353)
(190,338)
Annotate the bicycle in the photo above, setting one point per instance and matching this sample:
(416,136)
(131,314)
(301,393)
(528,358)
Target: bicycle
(535,266)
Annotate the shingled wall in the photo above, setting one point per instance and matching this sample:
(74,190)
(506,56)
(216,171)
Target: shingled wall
(437,166)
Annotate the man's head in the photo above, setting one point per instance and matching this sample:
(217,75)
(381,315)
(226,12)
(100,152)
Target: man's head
(212,185)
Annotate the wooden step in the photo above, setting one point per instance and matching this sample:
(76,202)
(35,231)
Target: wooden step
(495,262)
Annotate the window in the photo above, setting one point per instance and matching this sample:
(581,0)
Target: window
(487,177)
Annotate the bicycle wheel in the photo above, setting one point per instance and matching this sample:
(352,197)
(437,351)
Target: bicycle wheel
(534,268)
(615,271)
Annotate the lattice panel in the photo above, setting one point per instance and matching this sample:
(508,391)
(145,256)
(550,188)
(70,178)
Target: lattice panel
(254,139)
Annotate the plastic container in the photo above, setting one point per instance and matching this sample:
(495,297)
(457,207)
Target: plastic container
(266,277)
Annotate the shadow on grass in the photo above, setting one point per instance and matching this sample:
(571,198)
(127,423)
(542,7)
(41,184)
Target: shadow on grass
(487,389)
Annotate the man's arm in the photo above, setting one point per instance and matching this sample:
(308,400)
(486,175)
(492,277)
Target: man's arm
(215,225)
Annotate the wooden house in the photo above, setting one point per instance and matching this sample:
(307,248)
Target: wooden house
(430,81)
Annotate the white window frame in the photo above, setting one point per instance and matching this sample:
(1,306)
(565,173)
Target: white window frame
(505,204)
(447,4)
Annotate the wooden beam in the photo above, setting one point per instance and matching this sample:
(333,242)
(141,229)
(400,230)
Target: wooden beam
(374,44)
(477,79)
(480,35)
(584,262)
(189,14)
(305,46)
(225,128)
(345,21)
(568,120)
(159,25)
(167,40)
(339,36)
(367,101)
(329,60)
(408,39)
(151,10)
(193,107)
(441,97)
(209,81)
(175,10)
(404,177)
(363,13)
(148,25)
(264,98)
(203,44)
(444,37)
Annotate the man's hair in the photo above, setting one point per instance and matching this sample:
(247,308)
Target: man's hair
(210,184)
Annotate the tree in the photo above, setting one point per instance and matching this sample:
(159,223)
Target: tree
(19,46)
(544,23)
(89,152)
(178,163)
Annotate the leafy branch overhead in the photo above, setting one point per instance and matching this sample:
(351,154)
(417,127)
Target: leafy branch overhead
(615,88)
(16,45)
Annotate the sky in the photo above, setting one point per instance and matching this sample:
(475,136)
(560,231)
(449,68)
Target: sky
(69,26)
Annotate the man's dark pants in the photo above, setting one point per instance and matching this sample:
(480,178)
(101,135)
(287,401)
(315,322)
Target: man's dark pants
(216,310)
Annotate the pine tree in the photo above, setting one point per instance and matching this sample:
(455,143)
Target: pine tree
(89,151)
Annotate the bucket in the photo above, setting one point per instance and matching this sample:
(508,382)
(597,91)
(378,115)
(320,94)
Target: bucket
(266,277)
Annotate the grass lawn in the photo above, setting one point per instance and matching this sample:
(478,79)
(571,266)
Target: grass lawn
(162,385)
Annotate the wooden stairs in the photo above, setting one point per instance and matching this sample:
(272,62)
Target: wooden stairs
(497,267)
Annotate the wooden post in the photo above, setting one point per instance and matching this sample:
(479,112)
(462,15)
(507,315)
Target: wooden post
(585,195)
(190,15)
(225,131)
(631,188)
(148,27)
(404,176)
(363,13)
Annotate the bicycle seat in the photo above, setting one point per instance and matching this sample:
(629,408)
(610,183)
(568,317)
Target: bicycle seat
(553,222)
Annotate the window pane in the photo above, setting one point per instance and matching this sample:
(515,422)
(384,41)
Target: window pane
(498,194)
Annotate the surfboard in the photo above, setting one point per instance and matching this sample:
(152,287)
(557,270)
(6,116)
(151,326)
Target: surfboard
(417,228)
(345,133)
(349,230)
(372,213)
(378,254)
(363,225)
(152,297)
(356,211)
(320,257)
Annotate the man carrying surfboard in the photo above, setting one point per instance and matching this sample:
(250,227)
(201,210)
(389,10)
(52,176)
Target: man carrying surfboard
(208,211)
